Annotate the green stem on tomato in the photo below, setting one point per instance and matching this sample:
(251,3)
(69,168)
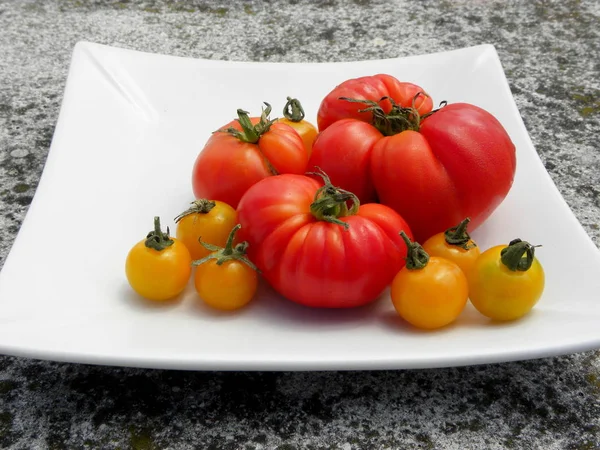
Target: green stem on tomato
(459,236)
(199,206)
(416,256)
(518,255)
(399,118)
(330,202)
(156,239)
(251,133)
(293,110)
(227,253)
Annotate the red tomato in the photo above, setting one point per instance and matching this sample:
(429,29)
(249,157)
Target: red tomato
(347,164)
(460,163)
(316,251)
(244,152)
(433,170)
(375,88)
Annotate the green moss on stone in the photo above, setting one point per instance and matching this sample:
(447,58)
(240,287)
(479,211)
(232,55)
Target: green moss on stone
(594,381)
(21,187)
(590,103)
(425,441)
(141,439)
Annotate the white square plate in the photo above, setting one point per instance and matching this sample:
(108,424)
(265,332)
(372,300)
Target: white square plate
(129,130)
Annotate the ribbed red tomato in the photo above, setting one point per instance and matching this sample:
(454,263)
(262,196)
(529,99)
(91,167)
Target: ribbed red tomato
(379,88)
(314,249)
(434,169)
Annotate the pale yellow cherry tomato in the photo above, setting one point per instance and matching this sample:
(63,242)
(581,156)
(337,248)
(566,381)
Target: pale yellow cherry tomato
(226,279)
(506,282)
(294,117)
(211,220)
(429,292)
(454,244)
(158,267)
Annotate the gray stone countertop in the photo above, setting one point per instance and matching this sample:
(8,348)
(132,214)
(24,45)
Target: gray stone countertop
(550,51)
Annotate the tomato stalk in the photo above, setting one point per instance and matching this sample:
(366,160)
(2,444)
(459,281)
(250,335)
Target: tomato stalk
(156,239)
(227,253)
(199,206)
(459,235)
(251,133)
(416,256)
(330,202)
(518,255)
(399,118)
(293,110)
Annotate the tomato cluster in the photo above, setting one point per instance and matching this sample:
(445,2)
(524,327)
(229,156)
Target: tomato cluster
(331,216)
(503,283)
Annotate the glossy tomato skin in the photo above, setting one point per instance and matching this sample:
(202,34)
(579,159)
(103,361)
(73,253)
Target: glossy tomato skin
(228,286)
(432,297)
(500,293)
(437,246)
(478,156)
(461,163)
(227,166)
(213,227)
(373,87)
(158,275)
(343,151)
(410,179)
(307,131)
(317,263)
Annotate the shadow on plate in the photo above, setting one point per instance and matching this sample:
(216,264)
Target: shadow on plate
(136,301)
(271,306)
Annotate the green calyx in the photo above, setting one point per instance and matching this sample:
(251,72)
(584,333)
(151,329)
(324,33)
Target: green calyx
(156,239)
(199,206)
(399,118)
(518,255)
(330,202)
(227,253)
(416,256)
(459,236)
(293,110)
(251,133)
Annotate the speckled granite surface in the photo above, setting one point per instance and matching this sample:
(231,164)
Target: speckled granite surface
(551,54)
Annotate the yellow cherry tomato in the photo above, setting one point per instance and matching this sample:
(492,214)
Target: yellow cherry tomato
(506,282)
(211,220)
(454,244)
(294,117)
(429,292)
(158,267)
(226,279)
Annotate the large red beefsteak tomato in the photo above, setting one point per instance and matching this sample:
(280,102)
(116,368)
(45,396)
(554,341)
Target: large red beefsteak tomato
(316,250)
(434,169)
